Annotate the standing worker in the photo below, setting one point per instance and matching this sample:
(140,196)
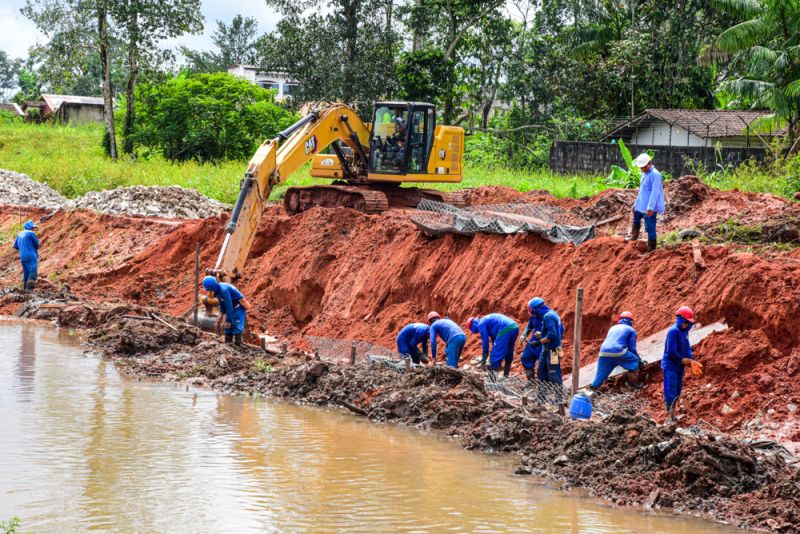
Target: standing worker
(677,355)
(410,338)
(618,349)
(533,348)
(28,245)
(649,202)
(451,334)
(550,340)
(502,331)
(233,306)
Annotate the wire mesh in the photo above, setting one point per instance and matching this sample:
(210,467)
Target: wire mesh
(552,223)
(338,349)
(533,391)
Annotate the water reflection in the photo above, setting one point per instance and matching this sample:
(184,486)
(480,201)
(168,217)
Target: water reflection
(85,449)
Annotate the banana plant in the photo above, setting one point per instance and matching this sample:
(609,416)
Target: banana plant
(628,178)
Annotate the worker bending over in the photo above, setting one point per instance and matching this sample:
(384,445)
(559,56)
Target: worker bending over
(618,349)
(502,333)
(532,352)
(451,334)
(233,306)
(649,202)
(409,340)
(677,355)
(550,340)
(28,246)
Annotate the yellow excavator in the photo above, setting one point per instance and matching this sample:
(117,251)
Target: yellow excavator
(367,161)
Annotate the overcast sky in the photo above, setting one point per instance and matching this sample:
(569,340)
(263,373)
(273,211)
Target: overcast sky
(17,33)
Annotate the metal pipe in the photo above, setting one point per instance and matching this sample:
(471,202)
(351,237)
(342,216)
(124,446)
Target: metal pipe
(237,208)
(282,136)
(222,251)
(196,281)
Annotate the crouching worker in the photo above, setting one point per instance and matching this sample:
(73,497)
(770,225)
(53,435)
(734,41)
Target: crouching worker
(232,305)
(533,348)
(618,349)
(409,340)
(28,246)
(677,355)
(451,334)
(499,331)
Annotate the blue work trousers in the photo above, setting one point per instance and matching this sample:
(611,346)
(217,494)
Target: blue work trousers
(454,348)
(237,321)
(531,355)
(503,349)
(549,368)
(606,364)
(649,223)
(673,384)
(29,271)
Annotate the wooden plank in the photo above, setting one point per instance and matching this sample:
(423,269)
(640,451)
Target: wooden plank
(651,349)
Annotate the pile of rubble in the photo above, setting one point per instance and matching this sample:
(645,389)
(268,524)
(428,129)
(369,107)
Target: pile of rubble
(170,202)
(21,190)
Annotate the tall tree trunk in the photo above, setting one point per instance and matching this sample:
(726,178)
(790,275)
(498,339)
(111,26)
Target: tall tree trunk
(351,49)
(417,42)
(130,90)
(450,57)
(105,60)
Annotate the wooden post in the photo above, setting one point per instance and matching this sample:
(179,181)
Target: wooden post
(407,364)
(196,281)
(576,341)
(353,354)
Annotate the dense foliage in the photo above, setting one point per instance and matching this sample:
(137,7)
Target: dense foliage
(207,117)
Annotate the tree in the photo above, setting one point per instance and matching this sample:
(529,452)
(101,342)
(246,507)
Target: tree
(207,117)
(764,53)
(142,25)
(8,74)
(236,44)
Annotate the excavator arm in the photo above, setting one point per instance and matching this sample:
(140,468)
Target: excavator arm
(276,160)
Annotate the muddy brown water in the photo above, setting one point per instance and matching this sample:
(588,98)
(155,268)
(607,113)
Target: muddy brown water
(84,448)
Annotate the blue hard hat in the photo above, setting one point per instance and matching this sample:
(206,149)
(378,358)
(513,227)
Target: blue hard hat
(535,303)
(30,225)
(210,283)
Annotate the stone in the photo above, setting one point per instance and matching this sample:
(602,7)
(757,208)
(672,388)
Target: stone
(726,410)
(736,394)
(791,407)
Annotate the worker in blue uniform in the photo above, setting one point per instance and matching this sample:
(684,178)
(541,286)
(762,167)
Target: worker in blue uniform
(409,340)
(649,202)
(501,333)
(452,334)
(677,355)
(619,349)
(28,246)
(550,340)
(233,306)
(532,352)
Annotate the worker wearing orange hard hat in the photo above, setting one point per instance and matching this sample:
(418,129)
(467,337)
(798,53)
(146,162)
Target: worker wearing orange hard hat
(677,356)
(618,349)
(452,334)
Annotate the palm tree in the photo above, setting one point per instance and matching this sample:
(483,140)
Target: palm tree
(764,53)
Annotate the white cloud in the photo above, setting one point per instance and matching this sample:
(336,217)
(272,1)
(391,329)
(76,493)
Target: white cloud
(17,33)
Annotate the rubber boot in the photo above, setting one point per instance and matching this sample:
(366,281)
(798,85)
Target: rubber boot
(237,340)
(635,229)
(31,284)
(507,369)
(651,244)
(531,375)
(228,338)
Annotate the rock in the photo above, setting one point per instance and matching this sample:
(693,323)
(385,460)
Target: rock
(19,189)
(736,394)
(689,233)
(791,407)
(171,202)
(726,410)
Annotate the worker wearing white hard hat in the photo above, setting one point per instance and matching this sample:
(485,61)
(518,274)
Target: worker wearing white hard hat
(649,202)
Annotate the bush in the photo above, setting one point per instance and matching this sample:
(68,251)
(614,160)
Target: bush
(207,117)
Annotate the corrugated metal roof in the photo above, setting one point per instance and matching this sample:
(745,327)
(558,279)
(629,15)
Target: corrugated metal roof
(54,101)
(12,107)
(703,123)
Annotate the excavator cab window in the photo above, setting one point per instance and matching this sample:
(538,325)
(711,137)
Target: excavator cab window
(420,138)
(389,145)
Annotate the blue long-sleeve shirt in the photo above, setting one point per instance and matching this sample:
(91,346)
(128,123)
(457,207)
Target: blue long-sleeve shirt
(552,329)
(620,339)
(447,330)
(651,193)
(412,335)
(228,297)
(491,325)
(28,245)
(534,325)
(677,346)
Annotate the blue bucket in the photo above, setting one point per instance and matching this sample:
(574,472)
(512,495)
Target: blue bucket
(581,406)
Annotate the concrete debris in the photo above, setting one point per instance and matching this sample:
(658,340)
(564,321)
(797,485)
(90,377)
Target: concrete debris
(19,189)
(171,202)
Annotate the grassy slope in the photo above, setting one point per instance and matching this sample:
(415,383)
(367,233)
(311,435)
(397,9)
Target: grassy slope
(71,161)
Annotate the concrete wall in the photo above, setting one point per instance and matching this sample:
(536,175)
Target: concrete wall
(658,134)
(81,113)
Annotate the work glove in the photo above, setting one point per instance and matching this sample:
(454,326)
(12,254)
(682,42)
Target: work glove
(484,357)
(642,363)
(697,368)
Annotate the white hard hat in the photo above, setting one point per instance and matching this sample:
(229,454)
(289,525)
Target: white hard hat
(642,160)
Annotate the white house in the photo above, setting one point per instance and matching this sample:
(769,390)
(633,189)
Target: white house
(268,80)
(693,128)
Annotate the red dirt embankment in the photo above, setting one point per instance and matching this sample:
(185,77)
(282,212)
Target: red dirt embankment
(339,273)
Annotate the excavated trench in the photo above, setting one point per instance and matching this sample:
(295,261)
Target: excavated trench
(343,274)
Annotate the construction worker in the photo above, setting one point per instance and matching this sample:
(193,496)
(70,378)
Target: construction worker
(499,331)
(409,340)
(451,334)
(677,355)
(28,246)
(550,340)
(649,202)
(533,349)
(618,349)
(233,306)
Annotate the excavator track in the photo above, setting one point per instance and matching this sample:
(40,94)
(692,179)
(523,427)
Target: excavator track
(300,199)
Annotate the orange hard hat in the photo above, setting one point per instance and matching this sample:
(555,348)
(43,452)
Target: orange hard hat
(433,315)
(625,315)
(685,312)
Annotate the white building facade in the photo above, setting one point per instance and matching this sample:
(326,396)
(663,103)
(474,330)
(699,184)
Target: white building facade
(278,81)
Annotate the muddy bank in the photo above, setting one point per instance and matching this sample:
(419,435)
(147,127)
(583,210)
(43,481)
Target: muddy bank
(625,458)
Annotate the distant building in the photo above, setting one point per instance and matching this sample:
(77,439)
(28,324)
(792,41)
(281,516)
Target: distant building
(692,128)
(268,80)
(74,109)
(12,107)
